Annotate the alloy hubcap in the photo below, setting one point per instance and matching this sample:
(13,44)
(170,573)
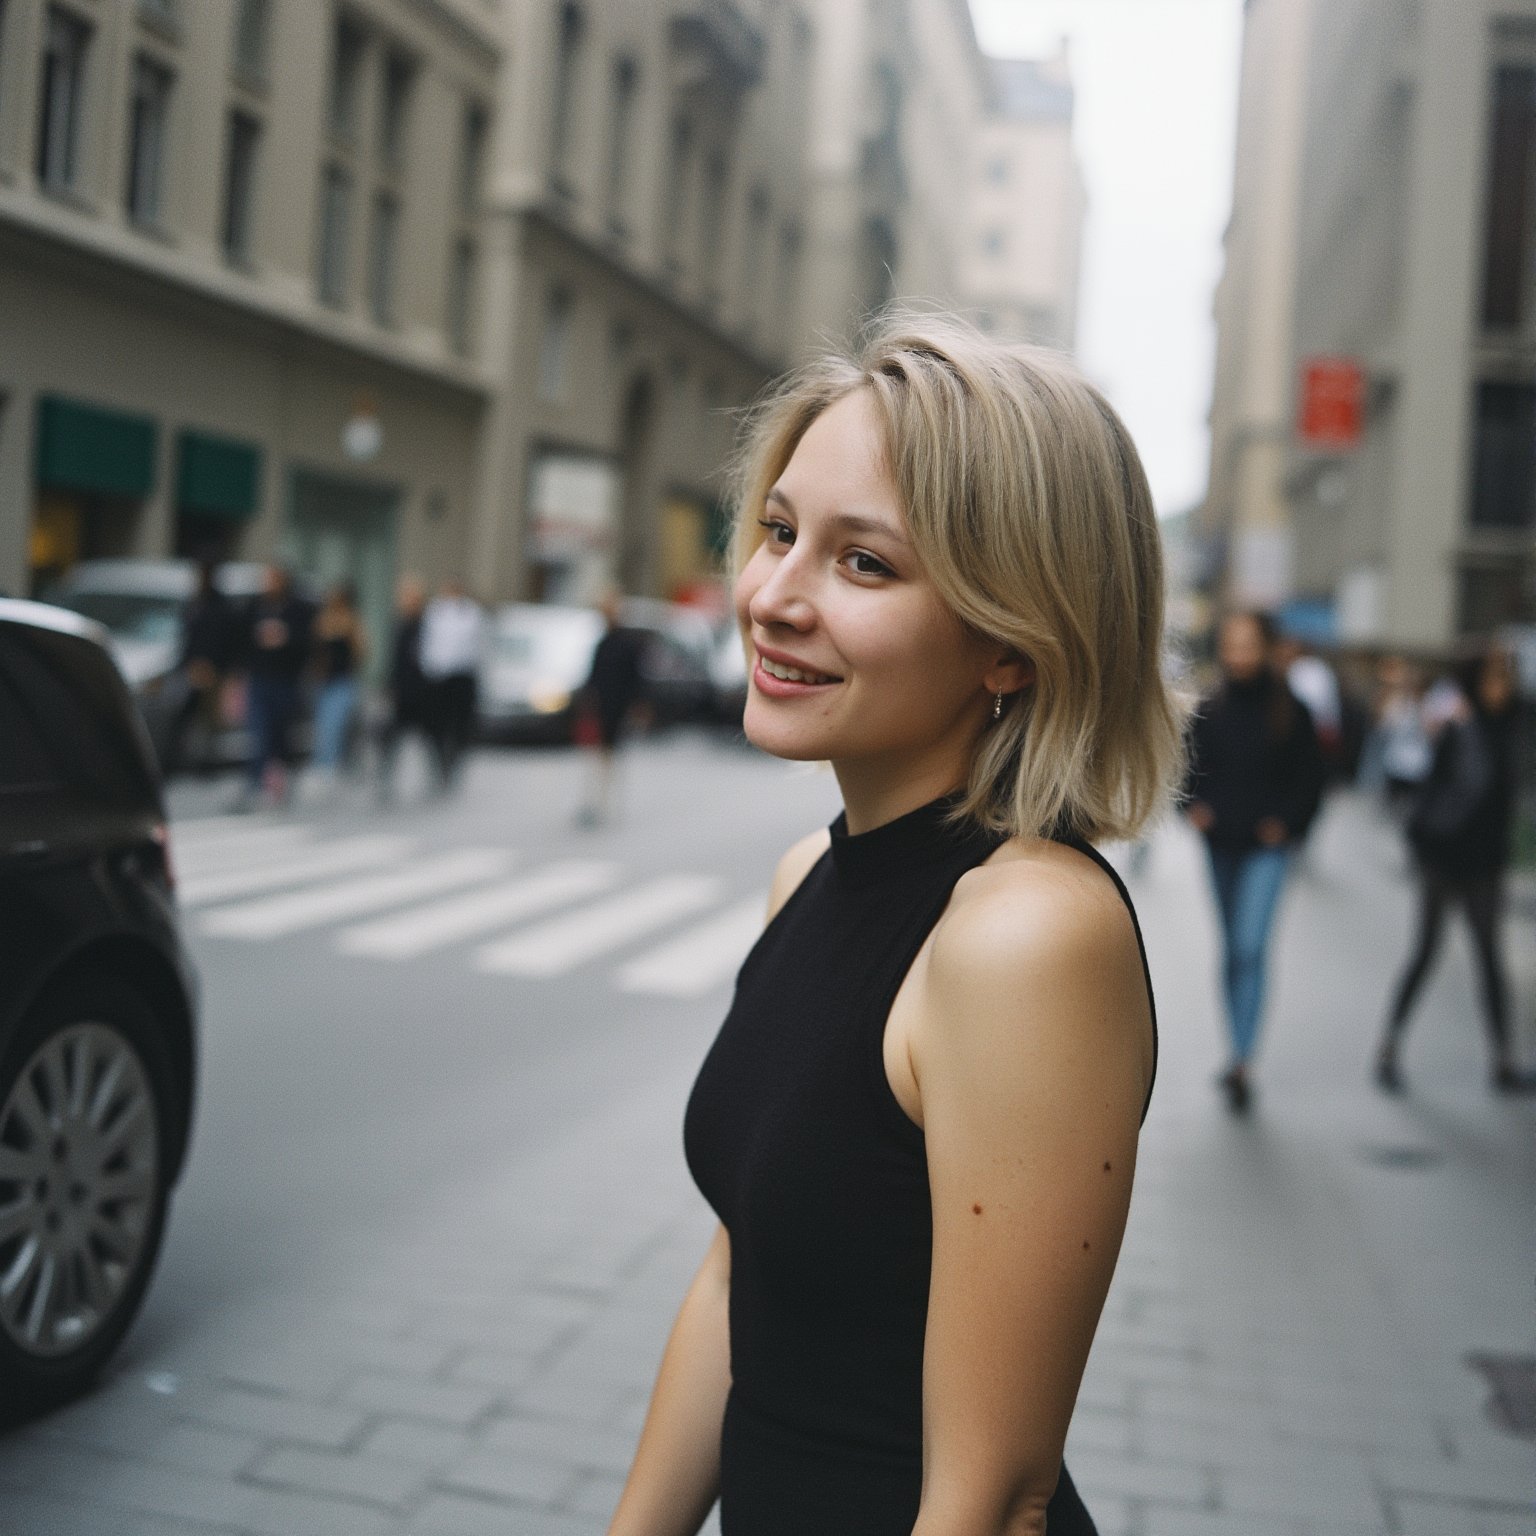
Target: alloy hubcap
(79,1164)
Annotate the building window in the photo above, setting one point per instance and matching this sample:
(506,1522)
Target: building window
(1504,473)
(679,173)
(347,80)
(399,73)
(239,186)
(1511,234)
(621,127)
(62,99)
(567,70)
(717,173)
(253,22)
(759,216)
(335,234)
(555,344)
(472,159)
(383,244)
(461,296)
(148,112)
(168,11)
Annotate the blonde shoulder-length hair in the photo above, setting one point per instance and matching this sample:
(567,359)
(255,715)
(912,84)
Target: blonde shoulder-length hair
(1030,512)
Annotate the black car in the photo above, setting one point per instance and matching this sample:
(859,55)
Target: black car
(97,1008)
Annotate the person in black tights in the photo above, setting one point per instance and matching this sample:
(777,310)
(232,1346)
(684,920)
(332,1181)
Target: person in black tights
(918,1123)
(1459,831)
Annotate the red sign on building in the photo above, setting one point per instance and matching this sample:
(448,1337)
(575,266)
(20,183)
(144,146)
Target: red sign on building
(1332,403)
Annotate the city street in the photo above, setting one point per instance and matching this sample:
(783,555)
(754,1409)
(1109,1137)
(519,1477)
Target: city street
(436,1218)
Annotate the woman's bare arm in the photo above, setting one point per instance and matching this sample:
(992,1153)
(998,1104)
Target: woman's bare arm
(675,1476)
(1033,1051)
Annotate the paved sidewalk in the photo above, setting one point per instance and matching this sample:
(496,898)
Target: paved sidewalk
(1284,1352)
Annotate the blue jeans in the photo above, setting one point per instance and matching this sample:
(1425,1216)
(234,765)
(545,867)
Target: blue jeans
(1248,885)
(335,705)
(271,704)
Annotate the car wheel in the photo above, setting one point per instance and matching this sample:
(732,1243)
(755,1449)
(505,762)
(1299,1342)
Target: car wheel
(85,1114)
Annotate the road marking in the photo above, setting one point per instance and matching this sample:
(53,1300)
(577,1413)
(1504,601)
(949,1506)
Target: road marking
(702,957)
(552,948)
(336,858)
(271,916)
(411,933)
(211,854)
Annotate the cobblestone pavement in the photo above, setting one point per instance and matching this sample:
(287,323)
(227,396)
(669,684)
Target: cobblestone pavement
(1284,1353)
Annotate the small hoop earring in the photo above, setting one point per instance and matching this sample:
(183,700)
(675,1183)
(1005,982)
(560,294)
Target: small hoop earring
(997,705)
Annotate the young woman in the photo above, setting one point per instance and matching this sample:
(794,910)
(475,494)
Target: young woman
(1459,829)
(341,646)
(919,1122)
(1255,782)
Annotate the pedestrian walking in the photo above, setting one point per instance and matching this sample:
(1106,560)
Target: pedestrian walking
(1254,786)
(341,647)
(407,704)
(452,644)
(1459,833)
(614,686)
(276,651)
(209,641)
(1400,751)
(919,1120)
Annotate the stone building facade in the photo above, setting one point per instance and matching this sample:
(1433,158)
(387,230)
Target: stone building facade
(464,287)
(236,292)
(1396,234)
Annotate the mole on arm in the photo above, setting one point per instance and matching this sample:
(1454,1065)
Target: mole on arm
(1106,1167)
(1085,1247)
(976,1210)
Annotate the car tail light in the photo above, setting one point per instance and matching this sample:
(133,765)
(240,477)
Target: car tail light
(160,834)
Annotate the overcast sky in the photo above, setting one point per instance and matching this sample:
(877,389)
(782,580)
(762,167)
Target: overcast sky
(1156,112)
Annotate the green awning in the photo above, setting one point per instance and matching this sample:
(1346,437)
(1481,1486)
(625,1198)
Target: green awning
(216,476)
(84,447)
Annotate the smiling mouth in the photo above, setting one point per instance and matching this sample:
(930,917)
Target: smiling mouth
(793,674)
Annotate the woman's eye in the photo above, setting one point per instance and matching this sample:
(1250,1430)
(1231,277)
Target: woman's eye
(867,565)
(777,532)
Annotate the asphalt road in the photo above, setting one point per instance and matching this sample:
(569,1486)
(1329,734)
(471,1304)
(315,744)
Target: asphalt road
(342,1092)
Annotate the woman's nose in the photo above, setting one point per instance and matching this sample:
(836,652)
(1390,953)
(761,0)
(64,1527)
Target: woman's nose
(781,597)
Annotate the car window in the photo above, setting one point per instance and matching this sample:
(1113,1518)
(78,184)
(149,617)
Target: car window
(24,761)
(129,615)
(71,696)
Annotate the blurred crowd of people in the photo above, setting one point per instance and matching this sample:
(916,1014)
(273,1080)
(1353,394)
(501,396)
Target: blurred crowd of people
(1270,737)
(259,663)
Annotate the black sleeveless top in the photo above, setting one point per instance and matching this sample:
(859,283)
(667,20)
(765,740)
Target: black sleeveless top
(794,1137)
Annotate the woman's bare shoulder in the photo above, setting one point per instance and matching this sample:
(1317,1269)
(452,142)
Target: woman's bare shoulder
(795,866)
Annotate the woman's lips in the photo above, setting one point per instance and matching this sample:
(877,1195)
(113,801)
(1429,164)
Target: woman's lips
(782,688)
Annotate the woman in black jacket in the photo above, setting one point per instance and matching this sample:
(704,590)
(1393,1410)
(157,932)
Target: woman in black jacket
(1255,783)
(1459,830)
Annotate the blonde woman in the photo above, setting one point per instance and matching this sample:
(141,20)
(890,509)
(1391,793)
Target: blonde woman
(918,1124)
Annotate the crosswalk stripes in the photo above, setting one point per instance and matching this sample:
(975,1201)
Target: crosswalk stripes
(405,935)
(271,916)
(208,855)
(559,945)
(340,857)
(384,897)
(700,958)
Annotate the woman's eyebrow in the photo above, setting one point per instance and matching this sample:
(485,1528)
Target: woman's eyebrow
(846,522)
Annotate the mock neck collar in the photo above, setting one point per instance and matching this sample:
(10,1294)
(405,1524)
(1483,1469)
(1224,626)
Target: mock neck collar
(919,838)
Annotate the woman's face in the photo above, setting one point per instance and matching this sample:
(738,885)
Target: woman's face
(1240,648)
(855,658)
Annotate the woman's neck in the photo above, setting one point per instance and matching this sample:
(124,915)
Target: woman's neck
(876,791)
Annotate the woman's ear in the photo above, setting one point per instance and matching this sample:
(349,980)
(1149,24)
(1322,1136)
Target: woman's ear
(1010,674)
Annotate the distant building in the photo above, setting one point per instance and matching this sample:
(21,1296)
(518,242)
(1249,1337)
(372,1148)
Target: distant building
(239,248)
(1023,263)
(1406,508)
(464,287)
(1245,523)
(899,91)
(648,223)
